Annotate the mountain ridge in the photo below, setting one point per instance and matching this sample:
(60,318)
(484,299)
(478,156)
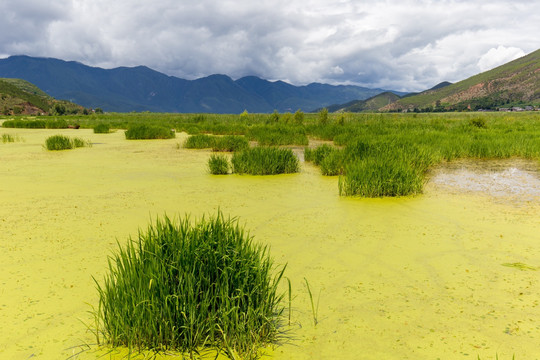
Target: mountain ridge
(141,88)
(517,81)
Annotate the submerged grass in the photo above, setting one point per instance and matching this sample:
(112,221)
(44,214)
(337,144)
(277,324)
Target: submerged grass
(186,286)
(265,161)
(8,138)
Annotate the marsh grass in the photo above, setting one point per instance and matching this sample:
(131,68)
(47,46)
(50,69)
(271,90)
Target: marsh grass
(8,138)
(278,134)
(200,141)
(329,158)
(230,143)
(218,164)
(314,307)
(102,128)
(148,131)
(61,142)
(186,286)
(265,161)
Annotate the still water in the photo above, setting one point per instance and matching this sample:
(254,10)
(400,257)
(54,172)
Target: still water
(450,274)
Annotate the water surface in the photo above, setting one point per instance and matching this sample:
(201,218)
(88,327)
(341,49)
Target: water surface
(449,274)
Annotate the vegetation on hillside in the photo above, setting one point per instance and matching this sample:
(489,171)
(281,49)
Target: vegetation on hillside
(21,97)
(517,82)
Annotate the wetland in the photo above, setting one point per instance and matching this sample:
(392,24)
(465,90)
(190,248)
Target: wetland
(448,272)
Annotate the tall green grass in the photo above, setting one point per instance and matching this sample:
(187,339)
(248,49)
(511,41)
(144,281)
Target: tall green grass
(61,142)
(148,131)
(230,143)
(200,141)
(187,285)
(218,165)
(8,138)
(265,161)
(102,128)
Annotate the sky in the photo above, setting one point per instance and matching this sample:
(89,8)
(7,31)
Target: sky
(404,45)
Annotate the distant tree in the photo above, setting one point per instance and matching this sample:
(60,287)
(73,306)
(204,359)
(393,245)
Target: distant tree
(98,111)
(17,110)
(59,109)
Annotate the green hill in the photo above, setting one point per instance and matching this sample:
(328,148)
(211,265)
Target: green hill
(517,82)
(372,104)
(21,97)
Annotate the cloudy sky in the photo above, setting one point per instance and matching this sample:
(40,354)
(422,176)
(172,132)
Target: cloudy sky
(406,45)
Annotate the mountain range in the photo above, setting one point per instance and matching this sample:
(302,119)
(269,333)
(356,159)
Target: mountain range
(140,88)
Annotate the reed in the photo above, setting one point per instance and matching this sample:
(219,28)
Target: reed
(218,165)
(265,161)
(278,134)
(230,143)
(314,307)
(148,131)
(200,141)
(102,128)
(186,286)
(61,142)
(8,138)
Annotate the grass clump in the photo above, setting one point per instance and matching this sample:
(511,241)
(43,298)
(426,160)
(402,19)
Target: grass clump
(265,161)
(200,141)
(218,165)
(147,131)
(61,142)
(329,158)
(102,128)
(8,138)
(186,286)
(230,143)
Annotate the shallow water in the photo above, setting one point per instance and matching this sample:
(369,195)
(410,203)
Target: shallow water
(450,274)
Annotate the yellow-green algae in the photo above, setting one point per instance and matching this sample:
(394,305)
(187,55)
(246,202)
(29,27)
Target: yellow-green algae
(400,278)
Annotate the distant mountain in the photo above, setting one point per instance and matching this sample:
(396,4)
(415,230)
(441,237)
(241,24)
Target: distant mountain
(517,82)
(372,104)
(142,89)
(21,97)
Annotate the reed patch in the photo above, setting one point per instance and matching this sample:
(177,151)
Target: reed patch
(61,142)
(188,285)
(265,161)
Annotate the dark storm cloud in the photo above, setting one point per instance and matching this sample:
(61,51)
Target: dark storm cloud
(403,45)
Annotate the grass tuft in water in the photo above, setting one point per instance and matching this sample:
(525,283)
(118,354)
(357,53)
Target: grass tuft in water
(218,165)
(147,131)
(265,161)
(61,142)
(199,141)
(8,138)
(186,286)
(230,143)
(102,128)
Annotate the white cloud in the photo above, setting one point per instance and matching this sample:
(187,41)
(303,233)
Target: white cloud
(499,56)
(393,44)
